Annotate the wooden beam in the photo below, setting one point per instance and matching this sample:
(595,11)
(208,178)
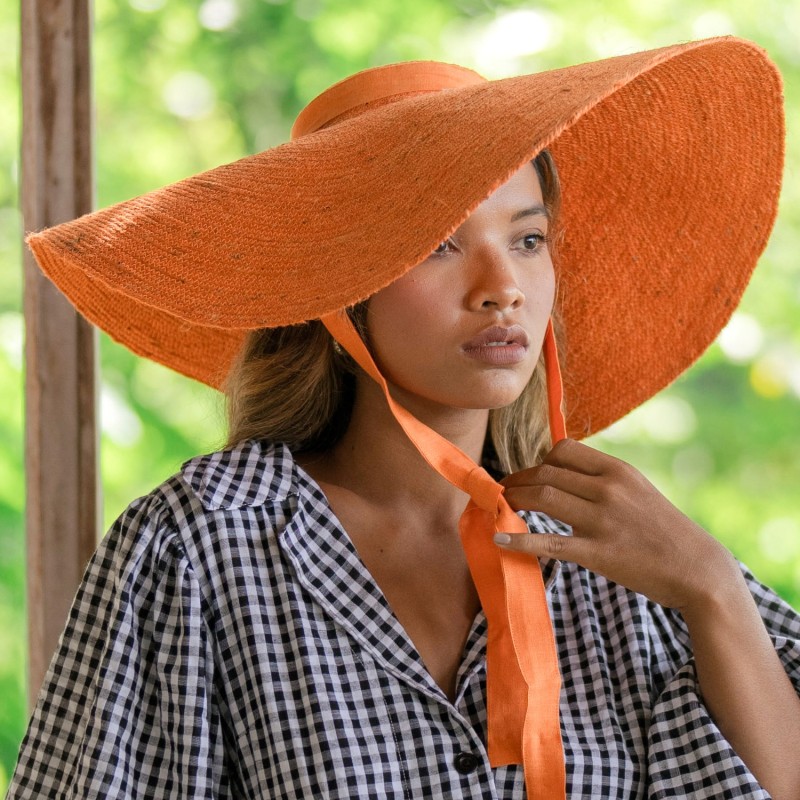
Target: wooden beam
(62,504)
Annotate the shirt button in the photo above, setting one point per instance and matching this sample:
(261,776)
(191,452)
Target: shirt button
(466,763)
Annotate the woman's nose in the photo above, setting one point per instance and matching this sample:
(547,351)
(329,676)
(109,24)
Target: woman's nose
(494,284)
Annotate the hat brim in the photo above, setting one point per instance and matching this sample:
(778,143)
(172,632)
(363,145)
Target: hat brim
(670,169)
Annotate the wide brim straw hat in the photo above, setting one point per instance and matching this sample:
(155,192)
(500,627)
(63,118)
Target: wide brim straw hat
(670,162)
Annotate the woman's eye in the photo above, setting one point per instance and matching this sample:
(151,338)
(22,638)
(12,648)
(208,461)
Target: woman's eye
(533,241)
(441,248)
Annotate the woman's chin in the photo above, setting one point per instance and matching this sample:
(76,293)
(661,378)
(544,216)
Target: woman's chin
(488,400)
(484,394)
(500,392)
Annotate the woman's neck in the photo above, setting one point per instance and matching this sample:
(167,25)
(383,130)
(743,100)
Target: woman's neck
(377,461)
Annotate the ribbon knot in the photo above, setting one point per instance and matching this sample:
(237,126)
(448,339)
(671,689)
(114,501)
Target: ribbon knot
(484,490)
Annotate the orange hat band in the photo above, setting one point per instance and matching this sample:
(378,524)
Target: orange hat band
(375,87)
(523,681)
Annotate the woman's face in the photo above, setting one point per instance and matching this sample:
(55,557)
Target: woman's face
(464,328)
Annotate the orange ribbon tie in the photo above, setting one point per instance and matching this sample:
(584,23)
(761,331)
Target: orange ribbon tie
(523,681)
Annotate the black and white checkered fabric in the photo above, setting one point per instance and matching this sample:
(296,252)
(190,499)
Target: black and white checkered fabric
(227,642)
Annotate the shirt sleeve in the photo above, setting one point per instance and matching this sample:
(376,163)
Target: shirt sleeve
(126,709)
(687,754)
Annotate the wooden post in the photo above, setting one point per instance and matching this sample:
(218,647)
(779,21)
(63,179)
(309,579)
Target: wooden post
(62,504)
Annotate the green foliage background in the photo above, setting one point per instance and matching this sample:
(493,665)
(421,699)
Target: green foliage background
(184,85)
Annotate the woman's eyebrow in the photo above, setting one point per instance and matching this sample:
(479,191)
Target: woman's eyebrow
(537,210)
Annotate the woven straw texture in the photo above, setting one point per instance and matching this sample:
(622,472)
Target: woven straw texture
(670,162)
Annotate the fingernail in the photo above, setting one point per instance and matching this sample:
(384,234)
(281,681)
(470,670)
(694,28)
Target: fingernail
(502,538)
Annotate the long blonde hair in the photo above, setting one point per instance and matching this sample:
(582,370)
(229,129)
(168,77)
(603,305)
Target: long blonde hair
(293,385)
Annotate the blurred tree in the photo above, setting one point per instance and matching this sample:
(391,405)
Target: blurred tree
(184,85)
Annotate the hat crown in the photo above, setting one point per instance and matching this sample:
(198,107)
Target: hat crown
(378,86)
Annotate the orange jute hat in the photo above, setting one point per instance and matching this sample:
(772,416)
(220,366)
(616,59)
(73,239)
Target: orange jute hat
(671,163)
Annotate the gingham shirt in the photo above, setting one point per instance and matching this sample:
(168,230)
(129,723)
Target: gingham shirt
(228,642)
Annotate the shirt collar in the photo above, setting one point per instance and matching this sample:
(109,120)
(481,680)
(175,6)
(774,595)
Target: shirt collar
(252,473)
(255,472)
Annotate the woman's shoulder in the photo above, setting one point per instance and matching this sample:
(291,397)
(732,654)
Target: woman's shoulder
(207,498)
(196,524)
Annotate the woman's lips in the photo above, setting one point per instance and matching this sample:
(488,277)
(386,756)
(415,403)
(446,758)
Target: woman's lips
(498,346)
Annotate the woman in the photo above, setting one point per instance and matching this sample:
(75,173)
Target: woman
(295,615)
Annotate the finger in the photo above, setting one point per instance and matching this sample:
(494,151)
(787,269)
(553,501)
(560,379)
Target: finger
(579,457)
(556,503)
(578,484)
(546,545)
